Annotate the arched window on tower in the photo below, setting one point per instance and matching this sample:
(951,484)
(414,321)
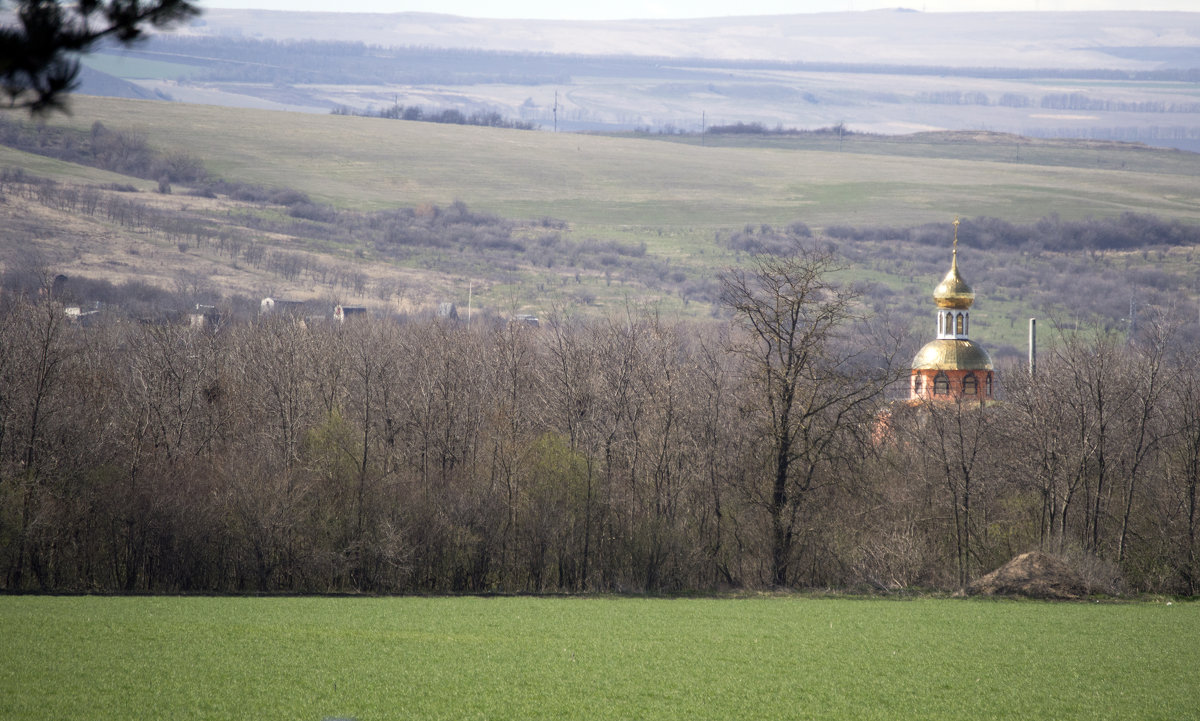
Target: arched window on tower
(988,385)
(970,385)
(918,384)
(959,325)
(941,384)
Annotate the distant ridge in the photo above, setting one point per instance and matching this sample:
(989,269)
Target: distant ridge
(898,36)
(95,82)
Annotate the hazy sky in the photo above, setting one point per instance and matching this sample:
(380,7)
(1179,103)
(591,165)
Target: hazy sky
(619,9)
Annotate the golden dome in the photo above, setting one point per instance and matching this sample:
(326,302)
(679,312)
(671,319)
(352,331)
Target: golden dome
(953,291)
(952,354)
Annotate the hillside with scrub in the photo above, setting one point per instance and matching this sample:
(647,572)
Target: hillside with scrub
(400,216)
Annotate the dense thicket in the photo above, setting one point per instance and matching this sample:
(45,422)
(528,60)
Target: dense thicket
(622,454)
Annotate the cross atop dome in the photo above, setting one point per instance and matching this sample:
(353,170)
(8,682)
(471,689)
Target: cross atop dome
(953,291)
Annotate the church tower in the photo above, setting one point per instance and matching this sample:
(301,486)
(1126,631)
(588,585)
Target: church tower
(952,366)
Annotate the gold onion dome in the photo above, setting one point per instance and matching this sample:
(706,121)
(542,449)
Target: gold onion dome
(952,354)
(953,291)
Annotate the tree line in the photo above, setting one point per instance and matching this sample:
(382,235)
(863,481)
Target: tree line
(449,116)
(1127,231)
(1054,101)
(308,61)
(121,151)
(230,59)
(625,453)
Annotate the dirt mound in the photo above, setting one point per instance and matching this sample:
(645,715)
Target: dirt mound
(1034,575)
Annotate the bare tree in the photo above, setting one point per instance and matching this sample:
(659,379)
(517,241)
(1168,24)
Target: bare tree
(1049,448)
(712,416)
(571,375)
(955,440)
(31,368)
(1141,415)
(515,377)
(1183,475)
(811,387)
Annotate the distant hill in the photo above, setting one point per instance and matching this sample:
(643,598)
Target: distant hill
(95,82)
(1093,75)
(1014,40)
(397,214)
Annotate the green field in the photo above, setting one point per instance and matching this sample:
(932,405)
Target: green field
(137,68)
(967,145)
(594,658)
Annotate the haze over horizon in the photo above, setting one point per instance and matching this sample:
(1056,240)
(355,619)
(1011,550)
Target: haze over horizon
(681,9)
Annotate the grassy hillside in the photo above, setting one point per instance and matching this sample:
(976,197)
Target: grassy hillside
(374,163)
(65,172)
(672,198)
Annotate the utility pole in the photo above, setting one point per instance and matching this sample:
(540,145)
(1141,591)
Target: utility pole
(556,111)
(1032,347)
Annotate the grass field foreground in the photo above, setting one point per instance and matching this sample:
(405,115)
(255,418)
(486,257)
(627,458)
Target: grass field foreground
(594,658)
